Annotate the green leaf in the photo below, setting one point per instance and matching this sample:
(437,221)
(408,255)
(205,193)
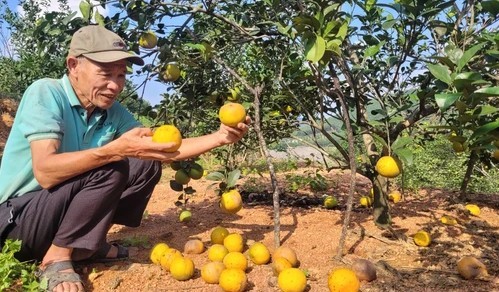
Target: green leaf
(315,50)
(491,7)
(405,154)
(85,9)
(440,72)
(99,18)
(342,32)
(470,53)
(176,186)
(216,176)
(232,178)
(485,110)
(445,100)
(488,91)
(485,129)
(401,142)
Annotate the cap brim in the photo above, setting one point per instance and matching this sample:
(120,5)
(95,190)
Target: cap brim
(113,56)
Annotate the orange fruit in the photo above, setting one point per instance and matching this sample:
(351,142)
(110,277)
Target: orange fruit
(458,147)
(231,114)
(233,280)
(292,280)
(185,216)
(388,166)
(196,171)
(168,257)
(330,202)
(171,72)
(211,271)
(182,268)
(218,234)
(280,264)
(217,252)
(365,201)
(148,40)
(231,202)
(287,253)
(194,246)
(469,268)
(343,280)
(259,254)
(182,177)
(395,196)
(448,220)
(495,154)
(236,260)
(158,251)
(473,209)
(234,242)
(168,134)
(422,238)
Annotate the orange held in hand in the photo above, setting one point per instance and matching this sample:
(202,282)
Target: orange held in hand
(168,134)
(231,114)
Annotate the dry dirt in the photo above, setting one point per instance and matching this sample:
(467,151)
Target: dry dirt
(313,232)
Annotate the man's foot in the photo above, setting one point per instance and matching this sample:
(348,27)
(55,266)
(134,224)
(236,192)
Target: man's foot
(108,253)
(60,276)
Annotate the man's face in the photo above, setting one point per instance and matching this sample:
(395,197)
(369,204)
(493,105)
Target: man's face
(98,84)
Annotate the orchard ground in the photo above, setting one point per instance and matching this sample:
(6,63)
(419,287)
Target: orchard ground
(312,231)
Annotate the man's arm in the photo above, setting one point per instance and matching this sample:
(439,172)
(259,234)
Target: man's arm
(51,168)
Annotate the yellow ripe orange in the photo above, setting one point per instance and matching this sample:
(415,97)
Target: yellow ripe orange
(217,252)
(365,201)
(185,216)
(182,268)
(343,280)
(259,254)
(473,209)
(448,220)
(231,202)
(158,251)
(388,166)
(194,246)
(236,260)
(287,253)
(458,147)
(211,271)
(234,242)
(231,114)
(422,238)
(148,40)
(168,134)
(292,280)
(330,202)
(495,154)
(168,257)
(395,196)
(279,265)
(233,280)
(171,72)
(218,234)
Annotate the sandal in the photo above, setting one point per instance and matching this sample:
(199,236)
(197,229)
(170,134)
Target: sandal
(100,256)
(53,276)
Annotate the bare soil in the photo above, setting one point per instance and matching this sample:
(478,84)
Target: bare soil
(313,232)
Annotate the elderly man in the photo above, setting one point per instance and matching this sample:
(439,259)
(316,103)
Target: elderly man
(76,161)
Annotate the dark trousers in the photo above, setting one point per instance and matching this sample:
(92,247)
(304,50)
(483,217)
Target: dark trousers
(79,212)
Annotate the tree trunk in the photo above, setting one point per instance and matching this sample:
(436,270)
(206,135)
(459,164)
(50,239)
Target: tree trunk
(467,176)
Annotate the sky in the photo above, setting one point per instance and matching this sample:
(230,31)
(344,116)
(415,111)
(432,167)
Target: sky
(153,89)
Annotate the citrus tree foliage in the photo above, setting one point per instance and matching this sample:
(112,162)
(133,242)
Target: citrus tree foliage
(383,67)
(389,61)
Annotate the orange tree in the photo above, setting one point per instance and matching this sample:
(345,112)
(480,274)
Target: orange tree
(378,68)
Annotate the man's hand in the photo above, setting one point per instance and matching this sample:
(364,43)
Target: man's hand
(229,135)
(138,143)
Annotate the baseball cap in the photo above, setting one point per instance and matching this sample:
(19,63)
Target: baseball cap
(101,45)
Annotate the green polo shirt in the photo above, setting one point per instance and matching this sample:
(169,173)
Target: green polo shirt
(50,109)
